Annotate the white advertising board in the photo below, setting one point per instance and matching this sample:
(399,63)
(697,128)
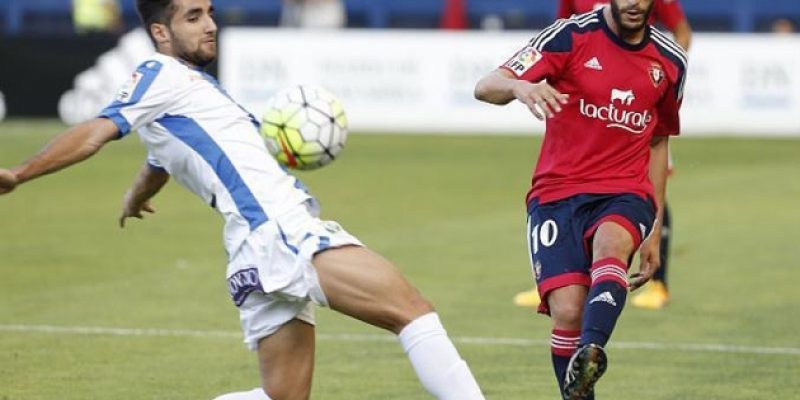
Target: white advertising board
(422,81)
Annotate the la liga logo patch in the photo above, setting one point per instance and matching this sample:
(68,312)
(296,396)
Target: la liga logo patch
(524,60)
(126,92)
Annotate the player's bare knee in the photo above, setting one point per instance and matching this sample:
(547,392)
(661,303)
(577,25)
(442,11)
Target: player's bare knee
(601,252)
(611,240)
(567,315)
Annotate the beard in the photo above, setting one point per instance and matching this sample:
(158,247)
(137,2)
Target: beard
(627,29)
(200,58)
(196,56)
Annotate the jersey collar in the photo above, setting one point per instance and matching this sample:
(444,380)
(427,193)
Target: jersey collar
(190,66)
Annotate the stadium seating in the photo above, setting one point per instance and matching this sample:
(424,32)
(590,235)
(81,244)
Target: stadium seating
(394,14)
(514,14)
(739,15)
(44,17)
(36,16)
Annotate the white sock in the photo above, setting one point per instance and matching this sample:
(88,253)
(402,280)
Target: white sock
(255,394)
(436,361)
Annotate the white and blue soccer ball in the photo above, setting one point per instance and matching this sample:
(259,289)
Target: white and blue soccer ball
(304,127)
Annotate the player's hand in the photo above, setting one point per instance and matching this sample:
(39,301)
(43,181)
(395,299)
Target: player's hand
(133,209)
(649,261)
(8,181)
(542,99)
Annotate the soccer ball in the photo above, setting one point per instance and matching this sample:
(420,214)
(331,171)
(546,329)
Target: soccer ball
(304,127)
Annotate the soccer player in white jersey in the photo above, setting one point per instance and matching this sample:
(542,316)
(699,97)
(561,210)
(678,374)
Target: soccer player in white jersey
(282,258)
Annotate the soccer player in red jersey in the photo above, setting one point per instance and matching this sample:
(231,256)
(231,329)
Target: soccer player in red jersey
(609,87)
(670,15)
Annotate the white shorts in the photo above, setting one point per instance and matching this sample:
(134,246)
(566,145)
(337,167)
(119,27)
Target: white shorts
(271,279)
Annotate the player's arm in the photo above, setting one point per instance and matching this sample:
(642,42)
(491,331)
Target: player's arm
(73,146)
(501,87)
(526,76)
(8,181)
(147,184)
(668,124)
(659,161)
(649,255)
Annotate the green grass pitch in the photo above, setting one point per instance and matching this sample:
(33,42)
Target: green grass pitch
(448,210)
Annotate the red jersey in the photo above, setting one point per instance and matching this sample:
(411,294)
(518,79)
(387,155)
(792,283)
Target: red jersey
(620,96)
(665,12)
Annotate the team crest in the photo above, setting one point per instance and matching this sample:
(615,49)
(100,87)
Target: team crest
(524,60)
(537,270)
(656,74)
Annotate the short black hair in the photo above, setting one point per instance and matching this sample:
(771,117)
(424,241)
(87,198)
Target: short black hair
(154,12)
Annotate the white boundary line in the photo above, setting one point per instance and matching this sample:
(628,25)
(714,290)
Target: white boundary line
(370,337)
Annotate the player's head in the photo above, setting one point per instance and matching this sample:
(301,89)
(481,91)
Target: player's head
(631,16)
(181,28)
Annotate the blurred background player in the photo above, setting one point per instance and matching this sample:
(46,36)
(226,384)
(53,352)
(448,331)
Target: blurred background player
(668,14)
(97,16)
(454,15)
(783,26)
(609,88)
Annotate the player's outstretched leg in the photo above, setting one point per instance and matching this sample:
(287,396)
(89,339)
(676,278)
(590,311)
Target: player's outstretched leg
(655,294)
(586,366)
(360,283)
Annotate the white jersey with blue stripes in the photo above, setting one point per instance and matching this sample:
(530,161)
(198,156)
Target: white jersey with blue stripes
(207,142)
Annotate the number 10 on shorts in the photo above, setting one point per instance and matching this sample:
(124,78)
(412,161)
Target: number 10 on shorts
(544,234)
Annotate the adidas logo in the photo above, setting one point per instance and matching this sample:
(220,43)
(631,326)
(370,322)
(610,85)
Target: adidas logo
(605,297)
(593,64)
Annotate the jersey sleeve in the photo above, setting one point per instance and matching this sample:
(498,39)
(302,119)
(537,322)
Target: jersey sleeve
(669,13)
(146,94)
(669,123)
(675,64)
(565,9)
(545,56)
